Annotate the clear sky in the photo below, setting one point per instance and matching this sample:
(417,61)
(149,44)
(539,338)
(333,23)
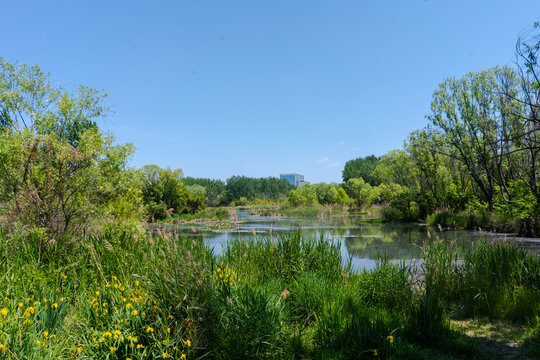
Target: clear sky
(258,88)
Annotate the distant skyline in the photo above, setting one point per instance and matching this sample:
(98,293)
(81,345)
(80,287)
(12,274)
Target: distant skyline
(223,88)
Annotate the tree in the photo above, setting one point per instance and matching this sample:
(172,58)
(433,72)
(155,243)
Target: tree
(49,184)
(361,168)
(472,115)
(528,69)
(164,193)
(214,189)
(58,172)
(305,195)
(362,193)
(28,100)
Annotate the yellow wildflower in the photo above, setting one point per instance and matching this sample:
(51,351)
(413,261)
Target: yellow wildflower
(4,312)
(112,348)
(140,346)
(3,348)
(55,305)
(164,355)
(183,356)
(79,349)
(38,342)
(149,330)
(375,353)
(390,338)
(21,304)
(134,312)
(188,343)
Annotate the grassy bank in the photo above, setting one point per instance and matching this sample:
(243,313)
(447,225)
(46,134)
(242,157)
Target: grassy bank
(304,211)
(128,295)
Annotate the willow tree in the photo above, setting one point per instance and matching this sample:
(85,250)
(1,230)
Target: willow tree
(472,115)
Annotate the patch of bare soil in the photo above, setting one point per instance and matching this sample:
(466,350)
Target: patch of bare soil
(501,340)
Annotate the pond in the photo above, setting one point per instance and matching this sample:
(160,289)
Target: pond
(361,240)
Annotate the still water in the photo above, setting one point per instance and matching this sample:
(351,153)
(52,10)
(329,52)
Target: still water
(361,242)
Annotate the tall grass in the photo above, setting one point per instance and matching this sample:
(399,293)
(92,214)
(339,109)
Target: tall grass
(129,294)
(501,281)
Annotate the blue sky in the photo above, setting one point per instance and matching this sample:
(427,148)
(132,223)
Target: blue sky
(258,88)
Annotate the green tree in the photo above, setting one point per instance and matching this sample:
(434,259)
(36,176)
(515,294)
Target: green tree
(305,195)
(165,193)
(215,190)
(29,100)
(58,172)
(361,168)
(477,121)
(49,184)
(362,193)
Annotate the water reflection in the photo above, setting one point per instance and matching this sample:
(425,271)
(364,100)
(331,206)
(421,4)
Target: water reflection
(362,242)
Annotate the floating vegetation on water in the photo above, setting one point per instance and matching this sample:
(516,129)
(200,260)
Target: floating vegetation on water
(219,227)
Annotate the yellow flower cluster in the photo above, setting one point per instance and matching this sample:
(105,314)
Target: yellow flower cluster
(45,338)
(117,296)
(122,307)
(225,276)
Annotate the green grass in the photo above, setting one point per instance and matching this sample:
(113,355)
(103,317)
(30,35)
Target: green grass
(304,211)
(126,293)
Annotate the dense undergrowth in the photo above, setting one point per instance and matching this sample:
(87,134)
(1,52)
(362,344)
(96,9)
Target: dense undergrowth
(129,295)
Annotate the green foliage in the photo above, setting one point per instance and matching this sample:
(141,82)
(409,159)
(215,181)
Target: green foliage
(362,193)
(326,194)
(30,101)
(252,188)
(58,172)
(305,195)
(51,185)
(387,286)
(247,325)
(501,281)
(361,168)
(287,257)
(165,193)
(215,190)
(480,151)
